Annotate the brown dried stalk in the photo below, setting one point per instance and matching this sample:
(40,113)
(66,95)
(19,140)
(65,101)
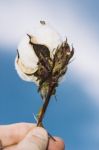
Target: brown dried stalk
(61,59)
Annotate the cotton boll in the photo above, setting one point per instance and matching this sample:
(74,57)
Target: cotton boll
(27,63)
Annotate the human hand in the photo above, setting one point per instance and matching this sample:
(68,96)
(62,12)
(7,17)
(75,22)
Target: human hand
(26,136)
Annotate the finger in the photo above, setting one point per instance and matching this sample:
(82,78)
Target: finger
(12,134)
(36,139)
(56,145)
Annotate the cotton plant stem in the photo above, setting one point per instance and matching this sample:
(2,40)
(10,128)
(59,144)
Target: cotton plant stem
(50,136)
(45,105)
(44,108)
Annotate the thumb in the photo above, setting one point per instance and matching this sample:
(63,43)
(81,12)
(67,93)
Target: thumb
(36,139)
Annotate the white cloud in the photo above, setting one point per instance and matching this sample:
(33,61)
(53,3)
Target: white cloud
(17,18)
(86,61)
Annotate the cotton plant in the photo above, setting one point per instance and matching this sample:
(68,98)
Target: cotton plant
(43,58)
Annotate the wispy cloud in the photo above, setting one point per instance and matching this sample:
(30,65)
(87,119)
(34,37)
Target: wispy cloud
(18,18)
(86,60)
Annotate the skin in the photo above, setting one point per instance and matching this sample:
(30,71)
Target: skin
(23,136)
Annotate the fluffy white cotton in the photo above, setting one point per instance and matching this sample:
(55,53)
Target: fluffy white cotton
(46,35)
(27,54)
(23,76)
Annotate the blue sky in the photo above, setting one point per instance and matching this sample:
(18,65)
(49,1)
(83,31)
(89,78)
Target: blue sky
(75,116)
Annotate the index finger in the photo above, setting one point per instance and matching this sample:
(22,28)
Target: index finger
(13,134)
